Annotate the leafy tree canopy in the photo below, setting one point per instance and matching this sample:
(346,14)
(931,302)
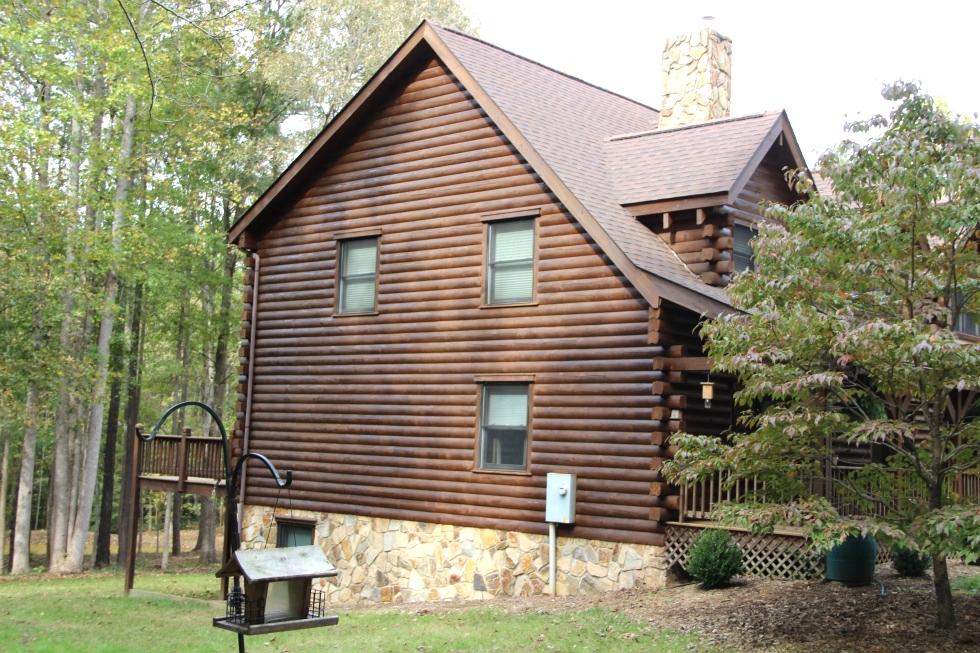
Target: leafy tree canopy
(848,333)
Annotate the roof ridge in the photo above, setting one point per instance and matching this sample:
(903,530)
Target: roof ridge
(541,65)
(706,123)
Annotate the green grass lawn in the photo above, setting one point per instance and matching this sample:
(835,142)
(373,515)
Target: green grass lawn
(967,584)
(90,613)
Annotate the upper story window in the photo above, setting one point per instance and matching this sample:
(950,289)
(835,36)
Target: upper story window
(742,251)
(358,278)
(503,426)
(965,322)
(510,262)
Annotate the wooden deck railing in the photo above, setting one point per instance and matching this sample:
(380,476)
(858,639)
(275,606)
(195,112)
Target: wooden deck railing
(183,456)
(697,500)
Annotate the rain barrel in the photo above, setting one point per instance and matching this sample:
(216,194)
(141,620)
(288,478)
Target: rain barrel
(853,560)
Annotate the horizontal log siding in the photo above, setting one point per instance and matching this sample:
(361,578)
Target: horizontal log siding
(377,414)
(767,184)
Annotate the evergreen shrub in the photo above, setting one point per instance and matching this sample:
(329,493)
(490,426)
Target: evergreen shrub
(910,563)
(714,559)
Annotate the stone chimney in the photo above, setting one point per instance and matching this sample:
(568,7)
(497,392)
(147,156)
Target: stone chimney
(697,78)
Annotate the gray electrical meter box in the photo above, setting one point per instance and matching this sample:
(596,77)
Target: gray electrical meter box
(560,501)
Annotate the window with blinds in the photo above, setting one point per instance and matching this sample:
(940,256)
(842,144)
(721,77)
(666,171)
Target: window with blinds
(743,250)
(965,322)
(510,262)
(503,427)
(358,275)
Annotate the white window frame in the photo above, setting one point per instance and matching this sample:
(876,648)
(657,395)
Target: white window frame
(492,266)
(344,279)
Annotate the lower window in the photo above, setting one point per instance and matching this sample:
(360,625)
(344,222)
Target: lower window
(293,532)
(503,427)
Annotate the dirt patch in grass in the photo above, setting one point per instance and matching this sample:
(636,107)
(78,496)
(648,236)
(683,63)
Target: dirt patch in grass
(792,616)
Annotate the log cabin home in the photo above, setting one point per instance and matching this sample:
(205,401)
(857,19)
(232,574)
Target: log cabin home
(482,271)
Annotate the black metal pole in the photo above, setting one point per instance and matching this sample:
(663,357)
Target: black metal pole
(232,533)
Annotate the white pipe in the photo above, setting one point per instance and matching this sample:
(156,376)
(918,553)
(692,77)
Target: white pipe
(248,391)
(552,557)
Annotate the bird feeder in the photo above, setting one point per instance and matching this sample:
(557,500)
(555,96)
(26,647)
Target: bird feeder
(278,592)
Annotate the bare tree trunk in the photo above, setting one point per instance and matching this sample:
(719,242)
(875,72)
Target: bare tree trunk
(209,552)
(79,529)
(183,359)
(21,553)
(940,575)
(167,520)
(175,524)
(133,385)
(4,468)
(58,532)
(101,553)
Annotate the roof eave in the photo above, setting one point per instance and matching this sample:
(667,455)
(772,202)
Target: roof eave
(693,300)
(677,204)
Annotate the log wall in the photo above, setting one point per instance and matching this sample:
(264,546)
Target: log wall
(377,414)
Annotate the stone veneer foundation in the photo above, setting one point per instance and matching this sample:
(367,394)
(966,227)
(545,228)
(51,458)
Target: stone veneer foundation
(394,560)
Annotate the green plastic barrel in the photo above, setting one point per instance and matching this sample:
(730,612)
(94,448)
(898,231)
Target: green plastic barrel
(853,560)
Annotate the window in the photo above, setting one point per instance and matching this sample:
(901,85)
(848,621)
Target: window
(358,275)
(503,427)
(293,532)
(742,252)
(967,324)
(510,262)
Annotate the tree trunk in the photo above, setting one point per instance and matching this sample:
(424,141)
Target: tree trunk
(4,467)
(133,385)
(10,561)
(940,575)
(21,553)
(167,521)
(79,529)
(175,524)
(102,555)
(209,551)
(944,593)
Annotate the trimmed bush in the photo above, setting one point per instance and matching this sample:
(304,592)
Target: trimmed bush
(713,559)
(910,563)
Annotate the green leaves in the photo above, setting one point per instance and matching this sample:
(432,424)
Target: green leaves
(847,342)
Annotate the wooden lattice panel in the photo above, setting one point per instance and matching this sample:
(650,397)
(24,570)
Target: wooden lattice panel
(771,556)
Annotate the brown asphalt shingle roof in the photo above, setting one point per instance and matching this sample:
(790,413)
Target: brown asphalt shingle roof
(688,161)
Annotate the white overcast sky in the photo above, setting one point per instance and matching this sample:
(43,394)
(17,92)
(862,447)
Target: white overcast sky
(823,62)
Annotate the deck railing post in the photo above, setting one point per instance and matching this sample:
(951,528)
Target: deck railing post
(182,458)
(134,507)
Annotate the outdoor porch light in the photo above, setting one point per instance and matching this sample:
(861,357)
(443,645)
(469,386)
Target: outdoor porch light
(707,392)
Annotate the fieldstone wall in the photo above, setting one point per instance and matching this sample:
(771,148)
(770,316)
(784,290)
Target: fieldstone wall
(392,560)
(697,78)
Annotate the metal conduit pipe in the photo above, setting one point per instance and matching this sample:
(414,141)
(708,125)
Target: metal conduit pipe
(552,554)
(248,388)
